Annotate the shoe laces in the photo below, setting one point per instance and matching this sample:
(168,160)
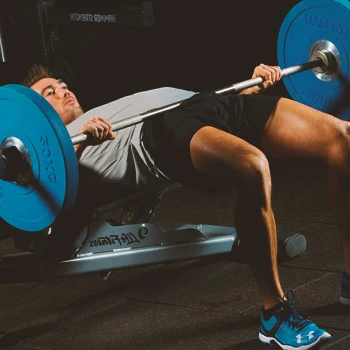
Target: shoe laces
(297,319)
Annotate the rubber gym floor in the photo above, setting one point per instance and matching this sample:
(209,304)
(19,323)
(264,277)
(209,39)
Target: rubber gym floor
(210,303)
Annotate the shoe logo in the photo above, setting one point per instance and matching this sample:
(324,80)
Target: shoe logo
(300,337)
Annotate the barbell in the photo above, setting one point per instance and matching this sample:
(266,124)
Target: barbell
(38,165)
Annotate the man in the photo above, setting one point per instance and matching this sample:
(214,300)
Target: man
(213,143)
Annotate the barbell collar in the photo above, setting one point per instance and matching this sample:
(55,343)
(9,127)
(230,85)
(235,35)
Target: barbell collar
(15,162)
(80,138)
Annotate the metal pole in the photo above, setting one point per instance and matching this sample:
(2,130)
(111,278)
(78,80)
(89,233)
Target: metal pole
(235,87)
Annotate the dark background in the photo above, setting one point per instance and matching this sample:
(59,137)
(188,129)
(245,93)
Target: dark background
(194,45)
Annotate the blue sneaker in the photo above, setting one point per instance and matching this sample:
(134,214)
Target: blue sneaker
(345,289)
(290,329)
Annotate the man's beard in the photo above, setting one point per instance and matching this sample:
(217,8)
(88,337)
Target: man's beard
(76,113)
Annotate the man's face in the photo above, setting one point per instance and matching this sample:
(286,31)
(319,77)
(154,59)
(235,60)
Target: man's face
(62,100)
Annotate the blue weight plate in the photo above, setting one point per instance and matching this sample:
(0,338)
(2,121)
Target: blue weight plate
(309,22)
(27,116)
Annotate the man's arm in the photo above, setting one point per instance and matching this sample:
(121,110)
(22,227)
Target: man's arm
(270,74)
(99,131)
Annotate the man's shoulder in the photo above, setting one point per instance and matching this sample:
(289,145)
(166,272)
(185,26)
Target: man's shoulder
(141,102)
(158,94)
(133,104)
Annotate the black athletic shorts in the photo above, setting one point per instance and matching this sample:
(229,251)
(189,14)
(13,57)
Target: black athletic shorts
(169,135)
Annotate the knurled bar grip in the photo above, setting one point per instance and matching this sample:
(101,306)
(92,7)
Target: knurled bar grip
(234,87)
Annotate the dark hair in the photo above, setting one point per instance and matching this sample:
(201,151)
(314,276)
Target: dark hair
(34,74)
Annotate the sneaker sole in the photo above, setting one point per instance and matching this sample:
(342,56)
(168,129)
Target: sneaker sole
(272,341)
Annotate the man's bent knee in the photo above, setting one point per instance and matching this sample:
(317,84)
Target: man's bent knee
(255,173)
(229,158)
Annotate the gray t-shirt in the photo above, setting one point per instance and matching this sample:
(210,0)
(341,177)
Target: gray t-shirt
(125,160)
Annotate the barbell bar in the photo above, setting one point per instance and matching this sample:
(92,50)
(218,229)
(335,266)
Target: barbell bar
(38,165)
(323,61)
(319,62)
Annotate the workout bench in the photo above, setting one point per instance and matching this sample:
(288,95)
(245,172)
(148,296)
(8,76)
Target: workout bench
(127,239)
